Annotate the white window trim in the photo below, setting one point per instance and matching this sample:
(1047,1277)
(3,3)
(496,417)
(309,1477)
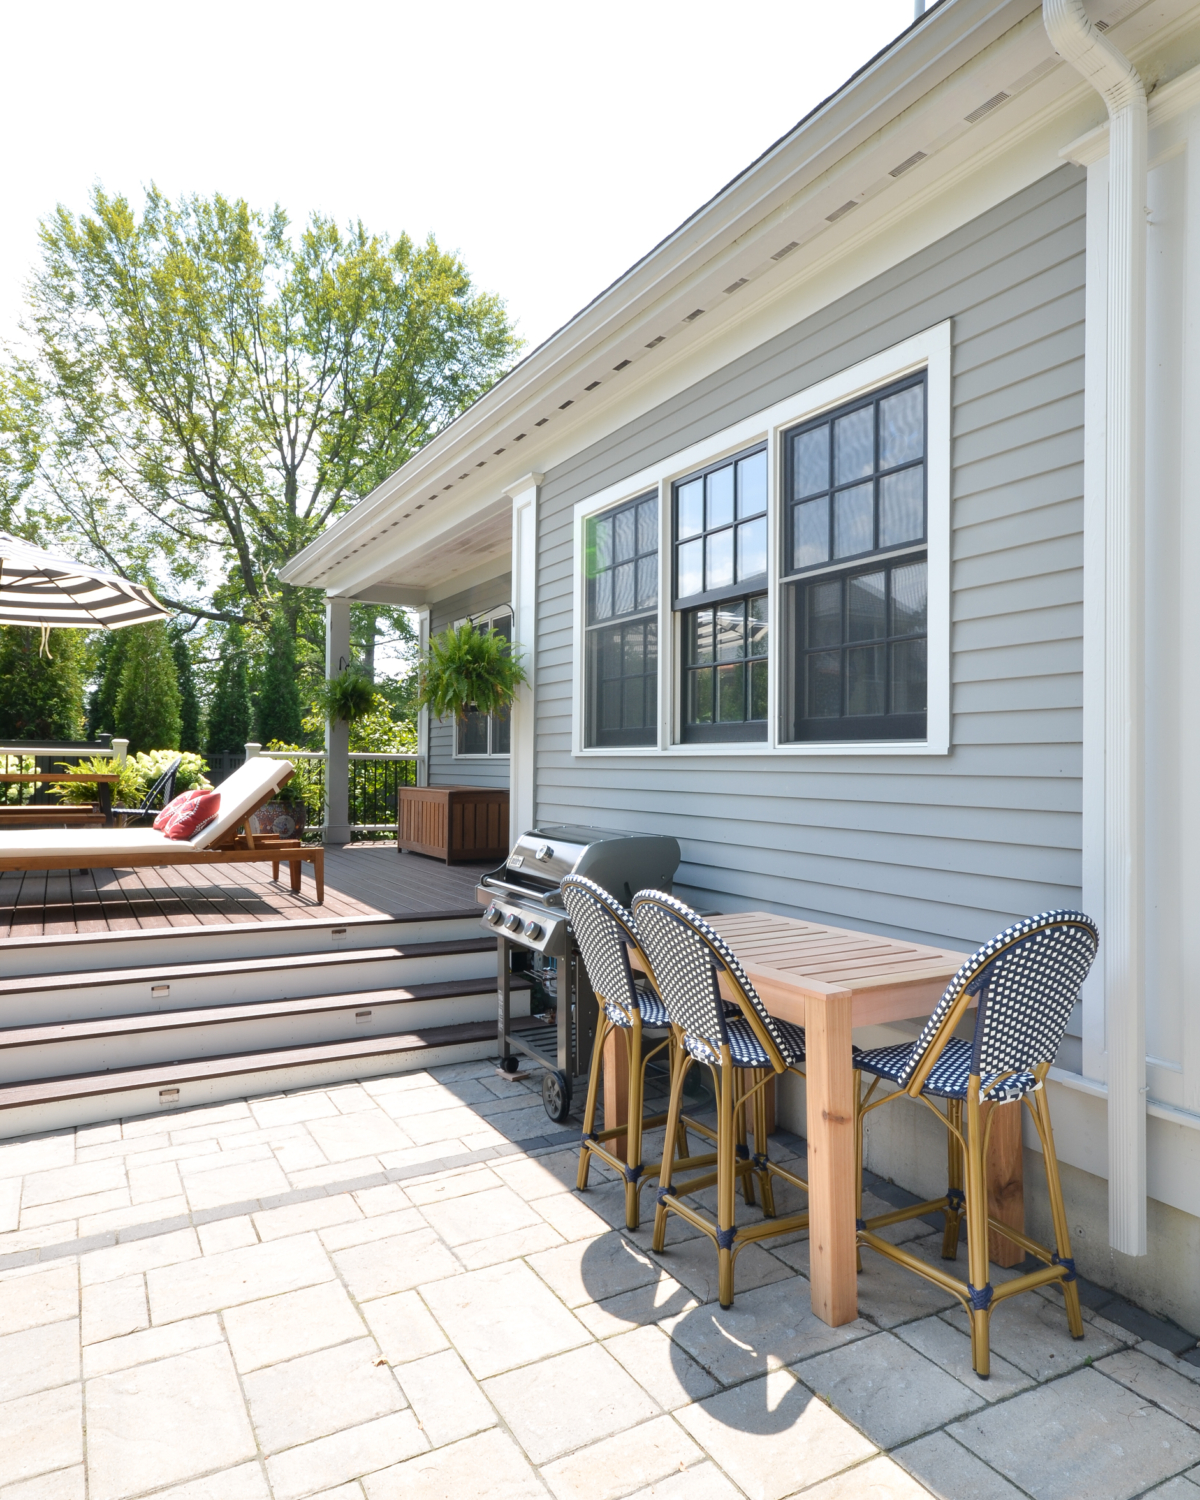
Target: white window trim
(484,617)
(930,351)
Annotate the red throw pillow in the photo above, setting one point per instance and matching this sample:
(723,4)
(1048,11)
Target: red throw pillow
(193,817)
(175,805)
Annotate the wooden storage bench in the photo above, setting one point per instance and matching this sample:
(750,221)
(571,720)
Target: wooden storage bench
(454,823)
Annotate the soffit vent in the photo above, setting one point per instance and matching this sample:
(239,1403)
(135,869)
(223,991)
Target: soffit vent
(788,248)
(986,108)
(563,405)
(541,421)
(906,164)
(593,386)
(622,365)
(737,285)
(654,343)
(697,312)
(840,213)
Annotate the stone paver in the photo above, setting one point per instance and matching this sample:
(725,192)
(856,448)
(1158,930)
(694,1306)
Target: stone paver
(563,1403)
(772,1436)
(280,1328)
(319,1394)
(887,1389)
(1082,1435)
(160,1423)
(269,1317)
(503,1317)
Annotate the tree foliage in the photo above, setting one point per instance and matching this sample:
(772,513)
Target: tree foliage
(278,708)
(207,391)
(229,711)
(189,700)
(41,697)
(148,702)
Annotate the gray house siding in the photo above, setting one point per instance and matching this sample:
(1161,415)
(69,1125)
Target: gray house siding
(445,769)
(949,848)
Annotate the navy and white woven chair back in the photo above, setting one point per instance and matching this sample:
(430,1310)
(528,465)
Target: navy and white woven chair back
(687,955)
(1027,980)
(602,928)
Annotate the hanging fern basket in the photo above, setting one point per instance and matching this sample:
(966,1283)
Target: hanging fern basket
(469,671)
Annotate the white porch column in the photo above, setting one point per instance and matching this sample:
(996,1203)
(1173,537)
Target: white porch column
(337,736)
(1124,720)
(423,714)
(522,795)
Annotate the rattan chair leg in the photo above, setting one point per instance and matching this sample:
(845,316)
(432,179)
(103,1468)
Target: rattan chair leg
(674,1111)
(589,1108)
(979,1269)
(766,1186)
(743,1152)
(1058,1212)
(633,1138)
(727,1135)
(954,1180)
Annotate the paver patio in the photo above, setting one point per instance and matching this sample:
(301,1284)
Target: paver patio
(390,1291)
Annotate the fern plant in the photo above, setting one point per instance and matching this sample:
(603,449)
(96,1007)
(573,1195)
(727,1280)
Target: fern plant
(469,670)
(349,696)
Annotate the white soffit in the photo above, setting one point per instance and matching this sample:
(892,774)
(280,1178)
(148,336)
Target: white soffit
(958,88)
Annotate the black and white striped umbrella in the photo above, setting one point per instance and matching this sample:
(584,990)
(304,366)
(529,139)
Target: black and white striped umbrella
(58,593)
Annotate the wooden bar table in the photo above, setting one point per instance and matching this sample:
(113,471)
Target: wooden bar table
(830,980)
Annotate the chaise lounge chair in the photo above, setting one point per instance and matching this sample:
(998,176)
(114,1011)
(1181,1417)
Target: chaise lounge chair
(226,841)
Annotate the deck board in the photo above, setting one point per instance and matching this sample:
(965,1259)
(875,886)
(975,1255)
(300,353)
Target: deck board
(360,880)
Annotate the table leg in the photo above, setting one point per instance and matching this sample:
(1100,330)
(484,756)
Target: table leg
(1006,1181)
(105,793)
(616,1089)
(829,1075)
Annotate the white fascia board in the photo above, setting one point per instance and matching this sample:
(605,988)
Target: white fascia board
(914,95)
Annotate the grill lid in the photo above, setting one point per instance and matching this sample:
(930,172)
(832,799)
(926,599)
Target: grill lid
(621,862)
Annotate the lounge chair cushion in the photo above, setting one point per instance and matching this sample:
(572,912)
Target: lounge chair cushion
(176,805)
(194,815)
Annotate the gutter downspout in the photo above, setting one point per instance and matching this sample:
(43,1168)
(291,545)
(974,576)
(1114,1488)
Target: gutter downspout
(1115,78)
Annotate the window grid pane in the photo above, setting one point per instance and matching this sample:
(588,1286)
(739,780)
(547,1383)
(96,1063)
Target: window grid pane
(856,480)
(721,527)
(621,665)
(725,666)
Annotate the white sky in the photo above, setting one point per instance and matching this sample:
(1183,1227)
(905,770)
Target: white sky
(551,144)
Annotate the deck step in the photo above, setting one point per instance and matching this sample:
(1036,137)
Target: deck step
(108,1042)
(25,1000)
(58,1103)
(71,953)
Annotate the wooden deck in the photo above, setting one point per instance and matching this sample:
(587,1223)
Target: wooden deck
(360,880)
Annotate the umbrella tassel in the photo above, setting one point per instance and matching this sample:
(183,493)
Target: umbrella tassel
(44,649)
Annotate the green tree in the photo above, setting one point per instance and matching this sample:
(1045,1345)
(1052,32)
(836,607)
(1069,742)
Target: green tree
(189,701)
(279,710)
(229,711)
(110,659)
(148,703)
(41,697)
(210,390)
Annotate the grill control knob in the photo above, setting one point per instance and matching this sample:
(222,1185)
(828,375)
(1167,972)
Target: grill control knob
(533,931)
(544,852)
(513,921)
(493,915)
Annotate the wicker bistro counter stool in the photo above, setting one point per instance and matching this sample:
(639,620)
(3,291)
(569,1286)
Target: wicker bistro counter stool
(687,956)
(1027,981)
(631,1007)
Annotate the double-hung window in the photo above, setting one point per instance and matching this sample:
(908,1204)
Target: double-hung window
(855,570)
(487,734)
(621,624)
(719,519)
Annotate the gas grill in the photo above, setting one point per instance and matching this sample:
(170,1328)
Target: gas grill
(525,910)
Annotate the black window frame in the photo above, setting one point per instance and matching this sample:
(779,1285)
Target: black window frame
(724,731)
(741,590)
(796,726)
(643,621)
